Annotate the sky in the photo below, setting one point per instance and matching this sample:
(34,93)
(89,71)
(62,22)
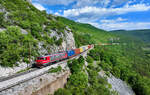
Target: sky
(103,14)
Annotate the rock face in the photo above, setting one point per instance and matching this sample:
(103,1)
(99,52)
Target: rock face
(50,88)
(2,9)
(10,71)
(69,39)
(67,44)
(2,29)
(118,85)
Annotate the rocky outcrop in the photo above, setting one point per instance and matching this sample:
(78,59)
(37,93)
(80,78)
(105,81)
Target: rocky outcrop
(2,29)
(10,71)
(2,9)
(67,44)
(51,87)
(117,84)
(44,84)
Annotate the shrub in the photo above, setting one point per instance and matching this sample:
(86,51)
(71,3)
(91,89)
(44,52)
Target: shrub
(62,91)
(25,24)
(75,66)
(1,19)
(13,46)
(59,42)
(81,60)
(26,60)
(94,54)
(55,70)
(79,80)
(89,59)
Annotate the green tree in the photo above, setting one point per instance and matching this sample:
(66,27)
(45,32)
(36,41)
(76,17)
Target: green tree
(25,24)
(1,19)
(77,81)
(59,42)
(89,59)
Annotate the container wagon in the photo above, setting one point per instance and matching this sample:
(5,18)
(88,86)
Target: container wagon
(70,53)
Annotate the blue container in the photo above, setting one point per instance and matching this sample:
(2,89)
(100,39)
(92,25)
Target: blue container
(70,53)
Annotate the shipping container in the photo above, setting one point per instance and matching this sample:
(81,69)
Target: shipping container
(89,46)
(77,51)
(81,50)
(71,53)
(86,47)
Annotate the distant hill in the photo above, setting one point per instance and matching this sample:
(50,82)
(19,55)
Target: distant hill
(143,35)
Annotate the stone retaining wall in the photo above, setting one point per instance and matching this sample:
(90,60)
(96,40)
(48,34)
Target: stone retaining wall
(42,85)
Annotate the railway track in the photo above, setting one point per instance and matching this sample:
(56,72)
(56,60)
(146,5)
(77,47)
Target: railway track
(17,74)
(23,77)
(8,82)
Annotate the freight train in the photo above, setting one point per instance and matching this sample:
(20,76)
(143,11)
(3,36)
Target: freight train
(43,61)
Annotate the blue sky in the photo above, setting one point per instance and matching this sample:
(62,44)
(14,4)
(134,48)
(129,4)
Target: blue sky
(104,14)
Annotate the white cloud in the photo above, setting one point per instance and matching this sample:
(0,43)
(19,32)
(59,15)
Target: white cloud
(81,3)
(117,24)
(113,20)
(119,2)
(50,11)
(121,19)
(105,3)
(54,2)
(121,23)
(77,3)
(102,3)
(92,15)
(84,3)
(39,6)
(57,14)
(125,25)
(98,12)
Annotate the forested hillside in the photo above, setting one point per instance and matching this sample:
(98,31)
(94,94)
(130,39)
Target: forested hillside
(139,37)
(143,35)
(23,26)
(130,60)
